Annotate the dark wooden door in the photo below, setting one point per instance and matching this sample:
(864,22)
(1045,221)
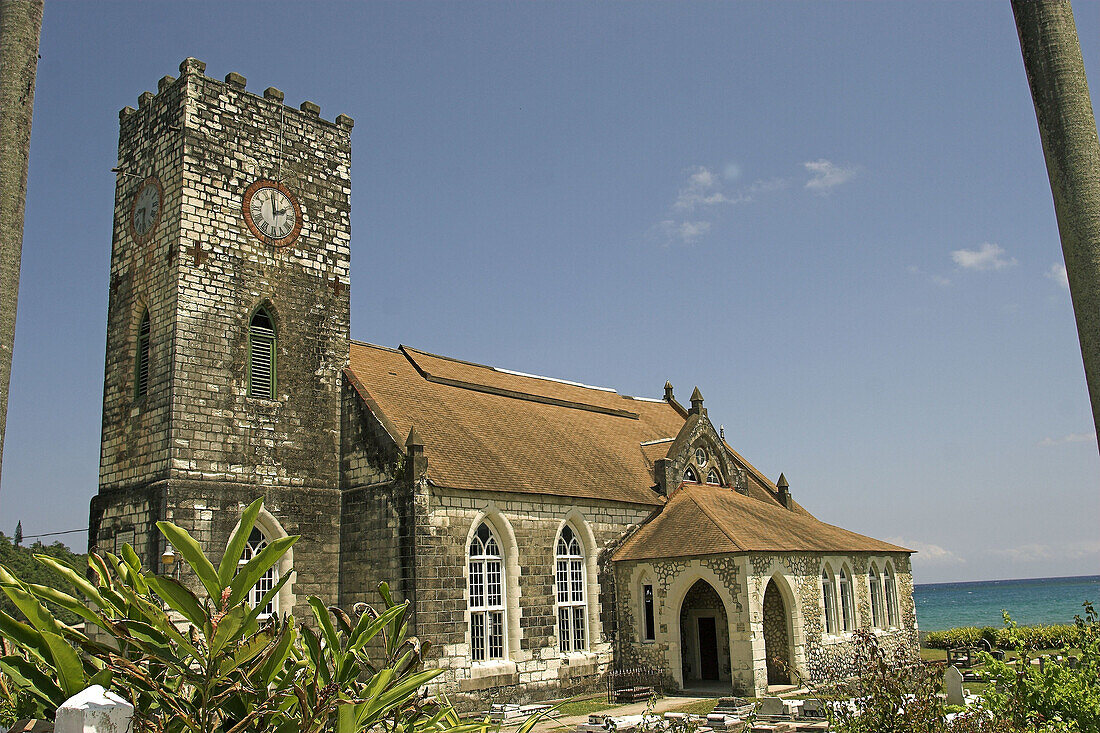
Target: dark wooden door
(708,649)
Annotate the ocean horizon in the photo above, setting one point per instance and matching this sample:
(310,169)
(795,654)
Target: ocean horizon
(981,602)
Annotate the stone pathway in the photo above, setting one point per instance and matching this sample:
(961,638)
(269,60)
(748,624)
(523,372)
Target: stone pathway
(570,722)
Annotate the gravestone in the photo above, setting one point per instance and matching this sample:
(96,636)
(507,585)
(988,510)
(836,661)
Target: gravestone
(94,711)
(813,708)
(953,686)
(772,706)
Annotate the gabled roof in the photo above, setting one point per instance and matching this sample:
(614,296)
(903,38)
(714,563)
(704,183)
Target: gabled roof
(712,520)
(490,429)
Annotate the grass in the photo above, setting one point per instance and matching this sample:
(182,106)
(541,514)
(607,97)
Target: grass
(699,707)
(584,705)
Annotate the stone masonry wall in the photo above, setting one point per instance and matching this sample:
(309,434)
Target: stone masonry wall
(527,527)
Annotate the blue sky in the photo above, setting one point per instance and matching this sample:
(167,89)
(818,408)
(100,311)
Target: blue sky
(833,218)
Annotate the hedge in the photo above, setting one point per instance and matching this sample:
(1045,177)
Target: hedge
(1034,637)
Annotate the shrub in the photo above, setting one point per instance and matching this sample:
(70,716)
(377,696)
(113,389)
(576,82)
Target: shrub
(213,666)
(1040,636)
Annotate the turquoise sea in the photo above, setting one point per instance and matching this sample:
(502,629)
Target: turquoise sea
(1035,601)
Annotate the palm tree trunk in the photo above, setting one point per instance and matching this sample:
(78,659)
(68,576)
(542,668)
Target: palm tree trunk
(1056,73)
(20,25)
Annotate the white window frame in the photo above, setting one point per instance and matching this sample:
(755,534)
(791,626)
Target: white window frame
(486,597)
(257,541)
(571,591)
(893,618)
(847,602)
(828,601)
(874,584)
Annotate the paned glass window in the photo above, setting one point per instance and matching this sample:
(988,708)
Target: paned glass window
(570,582)
(713,479)
(847,607)
(828,598)
(892,616)
(257,542)
(141,361)
(689,476)
(261,356)
(486,596)
(876,598)
(647,602)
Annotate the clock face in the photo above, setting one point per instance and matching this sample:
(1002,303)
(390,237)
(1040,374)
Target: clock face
(272,213)
(145,209)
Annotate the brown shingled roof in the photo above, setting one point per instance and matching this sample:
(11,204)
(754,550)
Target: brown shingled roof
(710,520)
(488,429)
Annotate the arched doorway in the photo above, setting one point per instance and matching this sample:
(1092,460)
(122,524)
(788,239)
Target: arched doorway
(704,637)
(777,644)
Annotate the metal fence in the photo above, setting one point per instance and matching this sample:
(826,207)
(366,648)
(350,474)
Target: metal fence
(631,684)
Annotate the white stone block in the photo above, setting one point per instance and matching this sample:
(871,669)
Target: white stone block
(94,710)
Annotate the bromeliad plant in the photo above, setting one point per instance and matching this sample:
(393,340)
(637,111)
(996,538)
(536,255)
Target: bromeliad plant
(205,662)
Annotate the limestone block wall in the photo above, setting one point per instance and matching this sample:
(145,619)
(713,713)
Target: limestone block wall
(527,528)
(128,516)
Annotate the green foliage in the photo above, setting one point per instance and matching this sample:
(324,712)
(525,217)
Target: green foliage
(21,562)
(206,662)
(1054,697)
(1052,636)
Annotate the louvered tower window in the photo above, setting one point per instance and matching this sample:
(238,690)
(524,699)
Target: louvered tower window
(261,356)
(141,360)
(570,582)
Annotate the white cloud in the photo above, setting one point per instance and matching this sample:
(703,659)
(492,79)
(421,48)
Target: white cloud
(731,172)
(1057,273)
(927,553)
(1071,438)
(941,280)
(703,190)
(826,175)
(681,232)
(988,256)
(1039,552)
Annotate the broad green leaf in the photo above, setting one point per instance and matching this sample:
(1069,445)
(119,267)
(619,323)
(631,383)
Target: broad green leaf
(263,561)
(77,580)
(364,632)
(179,598)
(24,636)
(66,662)
(99,567)
(325,622)
(33,680)
(234,549)
(228,628)
(35,612)
(246,651)
(65,601)
(274,591)
(191,552)
(274,662)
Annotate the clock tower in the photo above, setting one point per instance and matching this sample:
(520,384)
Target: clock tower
(227,326)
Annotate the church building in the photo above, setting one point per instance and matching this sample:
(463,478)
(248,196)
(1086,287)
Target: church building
(544,531)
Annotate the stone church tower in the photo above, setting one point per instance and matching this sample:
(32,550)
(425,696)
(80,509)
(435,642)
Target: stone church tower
(227,328)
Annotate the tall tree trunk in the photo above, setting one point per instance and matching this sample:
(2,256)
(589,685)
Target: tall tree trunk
(20,25)
(1056,73)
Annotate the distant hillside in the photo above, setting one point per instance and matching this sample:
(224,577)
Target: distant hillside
(21,562)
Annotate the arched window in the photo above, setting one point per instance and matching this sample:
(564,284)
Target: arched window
(713,478)
(486,596)
(261,355)
(891,598)
(847,608)
(876,598)
(257,542)
(570,582)
(689,476)
(141,359)
(828,600)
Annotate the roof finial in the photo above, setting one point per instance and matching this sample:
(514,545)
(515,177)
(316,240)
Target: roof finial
(668,391)
(722,432)
(784,491)
(414,440)
(696,402)
(782,482)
